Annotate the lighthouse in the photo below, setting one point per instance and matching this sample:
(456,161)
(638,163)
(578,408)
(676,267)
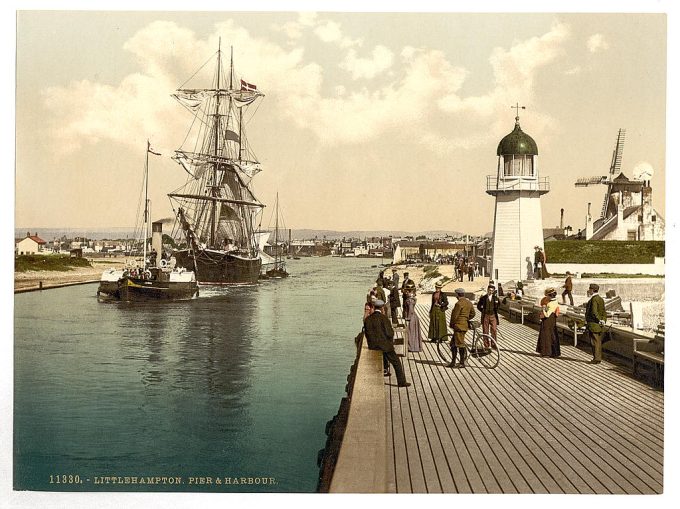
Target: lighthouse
(517,187)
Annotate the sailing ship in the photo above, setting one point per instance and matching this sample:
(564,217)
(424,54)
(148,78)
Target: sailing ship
(278,270)
(158,277)
(216,208)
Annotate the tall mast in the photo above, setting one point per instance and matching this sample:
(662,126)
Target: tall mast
(216,148)
(276,234)
(146,200)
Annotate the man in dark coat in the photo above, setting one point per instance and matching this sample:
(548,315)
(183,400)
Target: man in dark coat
(596,316)
(461,314)
(488,308)
(380,336)
(568,287)
(395,278)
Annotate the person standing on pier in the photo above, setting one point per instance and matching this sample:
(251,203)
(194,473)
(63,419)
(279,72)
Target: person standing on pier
(406,287)
(440,303)
(568,287)
(395,278)
(461,315)
(596,316)
(394,303)
(548,340)
(380,294)
(415,336)
(488,308)
(380,336)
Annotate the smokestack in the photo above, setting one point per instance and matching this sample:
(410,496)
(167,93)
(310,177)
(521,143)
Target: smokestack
(561,219)
(157,241)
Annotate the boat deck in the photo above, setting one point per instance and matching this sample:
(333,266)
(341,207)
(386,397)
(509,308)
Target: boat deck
(532,425)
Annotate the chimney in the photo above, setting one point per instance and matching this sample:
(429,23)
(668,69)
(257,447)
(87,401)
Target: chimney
(156,241)
(561,219)
(28,234)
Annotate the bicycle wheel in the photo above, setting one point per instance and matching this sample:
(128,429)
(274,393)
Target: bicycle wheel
(444,348)
(485,355)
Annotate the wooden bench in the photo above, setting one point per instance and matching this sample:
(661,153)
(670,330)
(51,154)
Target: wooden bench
(651,352)
(519,308)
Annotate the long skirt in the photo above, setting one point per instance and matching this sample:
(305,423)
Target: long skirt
(437,327)
(415,337)
(548,341)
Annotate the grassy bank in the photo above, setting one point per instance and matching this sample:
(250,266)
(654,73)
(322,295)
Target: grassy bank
(603,251)
(24,263)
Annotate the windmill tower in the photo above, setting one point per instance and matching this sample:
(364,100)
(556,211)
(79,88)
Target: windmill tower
(627,212)
(517,187)
(608,208)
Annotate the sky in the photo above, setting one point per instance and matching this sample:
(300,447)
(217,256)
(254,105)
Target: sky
(370,121)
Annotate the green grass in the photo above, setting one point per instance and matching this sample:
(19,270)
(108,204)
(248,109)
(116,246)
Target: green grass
(431,272)
(603,251)
(23,263)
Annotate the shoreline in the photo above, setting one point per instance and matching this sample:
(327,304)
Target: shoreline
(31,280)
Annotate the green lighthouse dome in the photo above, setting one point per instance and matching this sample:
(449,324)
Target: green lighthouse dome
(517,143)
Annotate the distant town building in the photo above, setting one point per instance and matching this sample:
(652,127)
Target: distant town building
(517,187)
(31,244)
(406,250)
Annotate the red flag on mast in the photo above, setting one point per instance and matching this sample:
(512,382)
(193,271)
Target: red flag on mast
(248,87)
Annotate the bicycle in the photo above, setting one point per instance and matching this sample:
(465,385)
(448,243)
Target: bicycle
(478,347)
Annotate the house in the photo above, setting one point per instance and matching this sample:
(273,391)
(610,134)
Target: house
(31,244)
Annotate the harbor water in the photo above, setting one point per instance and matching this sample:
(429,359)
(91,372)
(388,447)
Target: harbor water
(229,392)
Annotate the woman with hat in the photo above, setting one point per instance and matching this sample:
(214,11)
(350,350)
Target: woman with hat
(440,304)
(548,341)
(415,337)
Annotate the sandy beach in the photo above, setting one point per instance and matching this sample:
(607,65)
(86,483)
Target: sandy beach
(31,279)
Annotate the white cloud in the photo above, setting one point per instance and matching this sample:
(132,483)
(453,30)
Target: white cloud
(331,32)
(421,101)
(597,42)
(381,59)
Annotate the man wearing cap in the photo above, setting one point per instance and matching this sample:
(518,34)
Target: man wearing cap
(488,308)
(380,336)
(462,313)
(568,287)
(407,286)
(395,278)
(596,317)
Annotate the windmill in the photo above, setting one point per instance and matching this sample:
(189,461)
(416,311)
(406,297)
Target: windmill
(608,180)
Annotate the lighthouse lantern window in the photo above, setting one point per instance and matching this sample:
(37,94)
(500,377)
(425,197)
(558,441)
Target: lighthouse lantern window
(518,166)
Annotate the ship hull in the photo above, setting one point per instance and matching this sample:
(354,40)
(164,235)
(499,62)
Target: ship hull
(136,289)
(220,267)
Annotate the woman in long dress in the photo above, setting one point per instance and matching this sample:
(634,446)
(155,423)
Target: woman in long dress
(438,308)
(548,341)
(415,336)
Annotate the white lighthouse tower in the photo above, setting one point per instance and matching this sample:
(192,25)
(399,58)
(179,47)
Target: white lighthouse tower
(518,225)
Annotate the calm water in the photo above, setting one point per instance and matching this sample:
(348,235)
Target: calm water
(237,383)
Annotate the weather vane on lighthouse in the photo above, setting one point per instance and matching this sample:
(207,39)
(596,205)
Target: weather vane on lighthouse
(517,107)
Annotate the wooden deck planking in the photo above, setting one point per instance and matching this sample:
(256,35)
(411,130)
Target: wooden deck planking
(609,414)
(587,433)
(532,425)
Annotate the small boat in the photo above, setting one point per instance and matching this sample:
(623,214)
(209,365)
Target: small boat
(158,277)
(278,270)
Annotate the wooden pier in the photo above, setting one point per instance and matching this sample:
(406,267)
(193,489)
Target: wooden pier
(531,425)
